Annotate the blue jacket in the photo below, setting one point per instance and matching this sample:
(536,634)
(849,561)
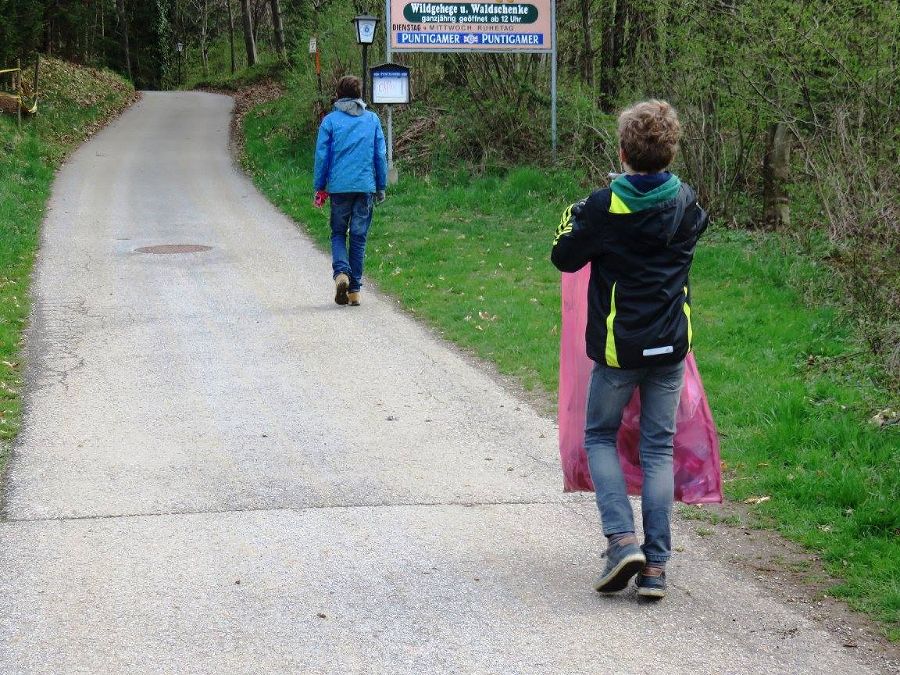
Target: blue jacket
(350,150)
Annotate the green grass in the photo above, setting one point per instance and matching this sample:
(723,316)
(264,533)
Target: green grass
(73,101)
(469,254)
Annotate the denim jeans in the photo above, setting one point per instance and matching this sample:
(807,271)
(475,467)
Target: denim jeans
(609,391)
(350,211)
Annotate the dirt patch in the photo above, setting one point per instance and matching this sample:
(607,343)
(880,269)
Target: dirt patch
(792,574)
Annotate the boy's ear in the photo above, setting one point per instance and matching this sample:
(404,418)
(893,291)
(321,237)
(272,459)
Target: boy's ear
(622,156)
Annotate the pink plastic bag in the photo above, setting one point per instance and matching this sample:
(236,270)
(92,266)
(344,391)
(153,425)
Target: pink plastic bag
(698,472)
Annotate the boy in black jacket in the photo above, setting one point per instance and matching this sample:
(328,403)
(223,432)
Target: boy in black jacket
(639,237)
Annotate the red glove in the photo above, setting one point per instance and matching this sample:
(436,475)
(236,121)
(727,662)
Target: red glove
(320,199)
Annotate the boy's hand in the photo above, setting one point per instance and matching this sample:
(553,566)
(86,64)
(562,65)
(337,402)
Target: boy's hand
(379,197)
(320,199)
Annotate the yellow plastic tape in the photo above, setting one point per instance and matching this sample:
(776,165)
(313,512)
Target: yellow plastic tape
(21,101)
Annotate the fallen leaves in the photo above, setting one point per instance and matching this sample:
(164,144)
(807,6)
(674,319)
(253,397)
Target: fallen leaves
(885,417)
(757,500)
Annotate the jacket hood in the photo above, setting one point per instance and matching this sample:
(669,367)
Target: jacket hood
(351,106)
(657,225)
(636,200)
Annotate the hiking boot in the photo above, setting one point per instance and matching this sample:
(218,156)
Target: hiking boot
(353,296)
(341,284)
(624,559)
(651,582)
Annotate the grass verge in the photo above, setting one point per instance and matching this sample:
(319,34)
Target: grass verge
(789,392)
(75,102)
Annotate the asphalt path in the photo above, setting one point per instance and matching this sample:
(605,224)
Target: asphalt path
(222,471)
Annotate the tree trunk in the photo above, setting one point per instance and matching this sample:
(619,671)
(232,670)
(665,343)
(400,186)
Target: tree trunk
(278,29)
(249,42)
(587,55)
(258,14)
(123,21)
(231,35)
(204,37)
(613,46)
(776,174)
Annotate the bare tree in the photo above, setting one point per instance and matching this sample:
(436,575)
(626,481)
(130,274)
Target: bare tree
(259,12)
(201,7)
(231,35)
(587,55)
(278,29)
(776,174)
(249,42)
(614,20)
(123,24)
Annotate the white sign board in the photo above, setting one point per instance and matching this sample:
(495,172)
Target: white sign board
(390,88)
(313,47)
(390,84)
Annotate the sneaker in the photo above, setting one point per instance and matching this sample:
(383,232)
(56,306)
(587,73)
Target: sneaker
(341,284)
(624,559)
(652,584)
(353,296)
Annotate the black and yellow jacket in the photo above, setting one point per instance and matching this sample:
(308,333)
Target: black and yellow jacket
(640,246)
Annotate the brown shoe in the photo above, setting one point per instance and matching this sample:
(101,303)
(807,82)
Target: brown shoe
(341,284)
(353,296)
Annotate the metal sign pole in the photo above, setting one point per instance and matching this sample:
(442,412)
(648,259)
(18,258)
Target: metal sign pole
(553,84)
(365,71)
(392,172)
(393,177)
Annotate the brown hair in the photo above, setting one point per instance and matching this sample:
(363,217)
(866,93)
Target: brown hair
(648,135)
(349,86)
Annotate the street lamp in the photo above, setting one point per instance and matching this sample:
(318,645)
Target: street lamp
(365,35)
(179,47)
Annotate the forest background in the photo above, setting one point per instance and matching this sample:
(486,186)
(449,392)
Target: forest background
(790,108)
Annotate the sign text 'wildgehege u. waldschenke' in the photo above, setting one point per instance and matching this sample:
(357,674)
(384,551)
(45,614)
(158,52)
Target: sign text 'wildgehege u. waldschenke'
(464,26)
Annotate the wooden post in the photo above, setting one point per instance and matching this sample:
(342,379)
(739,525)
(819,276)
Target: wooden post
(18,88)
(37,68)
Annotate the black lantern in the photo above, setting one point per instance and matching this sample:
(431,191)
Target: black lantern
(365,28)
(365,35)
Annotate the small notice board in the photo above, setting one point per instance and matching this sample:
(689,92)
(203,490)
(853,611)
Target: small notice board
(390,84)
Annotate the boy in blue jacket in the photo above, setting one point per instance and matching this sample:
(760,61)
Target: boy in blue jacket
(351,164)
(638,236)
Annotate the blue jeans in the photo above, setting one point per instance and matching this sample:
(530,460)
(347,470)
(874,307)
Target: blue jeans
(350,211)
(608,394)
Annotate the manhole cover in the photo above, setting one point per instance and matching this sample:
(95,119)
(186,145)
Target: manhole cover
(164,249)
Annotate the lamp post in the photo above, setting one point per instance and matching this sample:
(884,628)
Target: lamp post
(365,35)
(179,47)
